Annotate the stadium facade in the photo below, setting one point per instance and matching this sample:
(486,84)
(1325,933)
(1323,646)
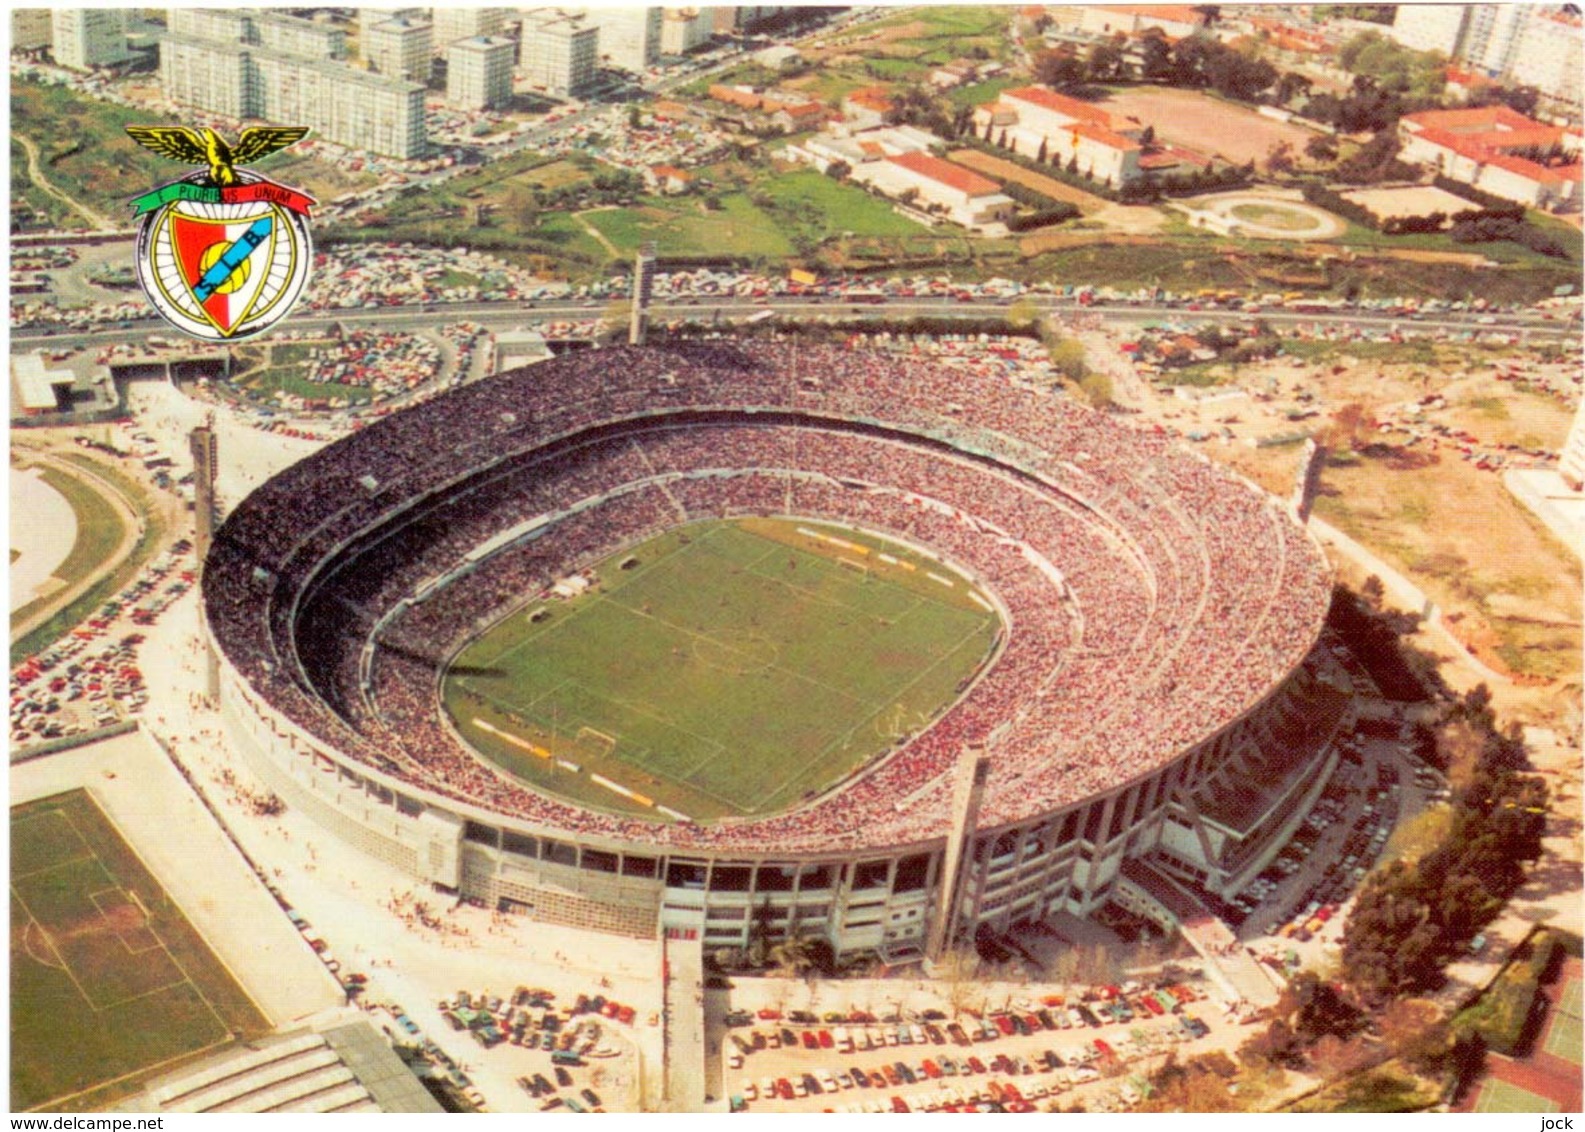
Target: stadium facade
(1160,719)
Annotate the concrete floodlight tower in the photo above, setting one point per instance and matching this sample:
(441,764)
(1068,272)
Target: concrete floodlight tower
(643,290)
(968,790)
(206,453)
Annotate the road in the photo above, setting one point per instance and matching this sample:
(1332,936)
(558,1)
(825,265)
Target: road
(507,313)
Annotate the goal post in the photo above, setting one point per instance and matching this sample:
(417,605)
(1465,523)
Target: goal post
(600,740)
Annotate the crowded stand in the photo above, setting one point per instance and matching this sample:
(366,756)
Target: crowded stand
(1149,600)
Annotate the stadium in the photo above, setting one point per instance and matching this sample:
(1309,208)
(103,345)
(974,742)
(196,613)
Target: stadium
(1145,711)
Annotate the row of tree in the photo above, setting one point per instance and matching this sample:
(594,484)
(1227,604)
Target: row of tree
(1411,919)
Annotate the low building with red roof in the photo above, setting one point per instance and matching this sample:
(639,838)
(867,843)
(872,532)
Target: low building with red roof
(867,107)
(938,186)
(1500,151)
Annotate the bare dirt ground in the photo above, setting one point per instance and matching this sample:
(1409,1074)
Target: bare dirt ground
(1418,200)
(1203,123)
(1508,590)
(1087,203)
(883,41)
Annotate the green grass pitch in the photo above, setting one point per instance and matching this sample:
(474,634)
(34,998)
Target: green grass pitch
(726,668)
(110,983)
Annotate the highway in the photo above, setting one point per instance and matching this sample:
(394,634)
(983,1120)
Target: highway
(504,314)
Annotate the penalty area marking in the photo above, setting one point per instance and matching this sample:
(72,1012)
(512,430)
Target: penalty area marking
(597,779)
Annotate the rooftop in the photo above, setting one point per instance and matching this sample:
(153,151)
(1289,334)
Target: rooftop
(946,173)
(1061,103)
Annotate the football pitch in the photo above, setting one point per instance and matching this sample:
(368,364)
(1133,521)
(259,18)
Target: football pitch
(110,983)
(726,668)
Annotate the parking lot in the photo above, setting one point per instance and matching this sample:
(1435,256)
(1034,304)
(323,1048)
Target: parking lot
(1093,1044)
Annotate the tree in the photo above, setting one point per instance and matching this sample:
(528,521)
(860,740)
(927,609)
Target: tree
(1155,55)
(1292,85)
(1001,140)
(1279,160)
(1060,68)
(1321,148)
(1041,156)
(1147,136)
(1068,357)
(1104,63)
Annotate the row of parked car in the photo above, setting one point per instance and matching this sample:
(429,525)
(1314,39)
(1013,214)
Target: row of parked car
(1061,1072)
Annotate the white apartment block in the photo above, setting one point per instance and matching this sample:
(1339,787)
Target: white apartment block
(31,28)
(1536,45)
(340,104)
(683,29)
(216,76)
(479,72)
(1431,27)
(401,49)
(558,52)
(221,25)
(84,38)
(368,17)
(293,36)
(629,37)
(452,24)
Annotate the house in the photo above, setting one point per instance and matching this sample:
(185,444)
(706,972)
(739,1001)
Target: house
(836,145)
(743,97)
(1499,151)
(1070,132)
(867,107)
(667,179)
(954,74)
(781,57)
(936,185)
(796,117)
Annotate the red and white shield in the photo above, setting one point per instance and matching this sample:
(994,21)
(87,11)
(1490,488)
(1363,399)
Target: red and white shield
(199,242)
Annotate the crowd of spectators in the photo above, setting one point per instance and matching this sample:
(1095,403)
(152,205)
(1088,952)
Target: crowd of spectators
(1149,598)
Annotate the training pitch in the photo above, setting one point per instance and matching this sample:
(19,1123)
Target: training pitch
(110,983)
(724,668)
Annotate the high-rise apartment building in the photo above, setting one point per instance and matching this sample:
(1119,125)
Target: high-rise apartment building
(401,48)
(342,105)
(294,36)
(479,72)
(1537,45)
(558,52)
(31,28)
(213,75)
(233,25)
(452,24)
(368,17)
(629,37)
(84,38)
(683,29)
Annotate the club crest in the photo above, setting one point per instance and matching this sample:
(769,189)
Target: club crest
(222,253)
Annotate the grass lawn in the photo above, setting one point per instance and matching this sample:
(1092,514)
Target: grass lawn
(724,669)
(977,94)
(286,372)
(110,982)
(1500,1096)
(99,531)
(99,526)
(85,152)
(683,228)
(100,591)
(831,208)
